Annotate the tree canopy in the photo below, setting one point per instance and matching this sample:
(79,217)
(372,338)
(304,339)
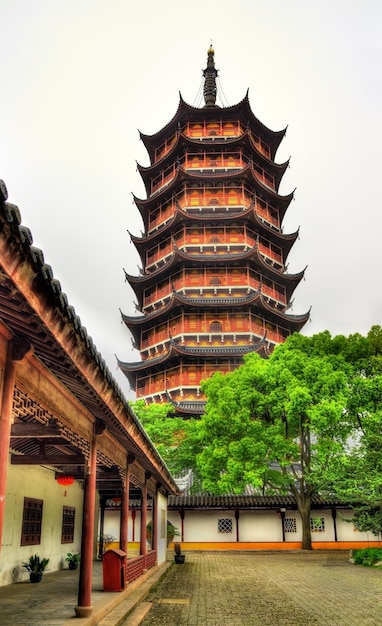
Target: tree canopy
(307,420)
(173,436)
(272,424)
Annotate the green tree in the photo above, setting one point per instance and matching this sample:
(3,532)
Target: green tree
(173,436)
(356,477)
(275,424)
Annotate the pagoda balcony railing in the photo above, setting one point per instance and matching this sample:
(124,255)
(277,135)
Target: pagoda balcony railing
(267,216)
(206,289)
(185,383)
(160,340)
(179,393)
(264,178)
(216,169)
(224,195)
(209,248)
(223,131)
(207,130)
(204,165)
(217,160)
(213,204)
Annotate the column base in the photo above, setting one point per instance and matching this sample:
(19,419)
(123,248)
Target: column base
(83,611)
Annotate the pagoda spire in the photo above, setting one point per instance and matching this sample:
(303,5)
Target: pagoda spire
(210,75)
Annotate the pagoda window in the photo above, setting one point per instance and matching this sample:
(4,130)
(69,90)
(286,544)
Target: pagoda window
(213,201)
(216,327)
(233,197)
(215,281)
(230,130)
(213,128)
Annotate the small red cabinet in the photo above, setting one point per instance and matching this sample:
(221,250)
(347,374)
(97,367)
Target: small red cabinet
(114,570)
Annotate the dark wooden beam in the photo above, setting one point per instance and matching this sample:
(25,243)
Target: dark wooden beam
(40,459)
(27,431)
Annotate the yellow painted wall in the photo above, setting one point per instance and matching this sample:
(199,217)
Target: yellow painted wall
(37,482)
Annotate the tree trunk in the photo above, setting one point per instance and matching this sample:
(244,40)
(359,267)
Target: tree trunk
(304,505)
(306,532)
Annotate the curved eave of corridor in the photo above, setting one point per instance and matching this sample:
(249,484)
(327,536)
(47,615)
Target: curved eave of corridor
(60,373)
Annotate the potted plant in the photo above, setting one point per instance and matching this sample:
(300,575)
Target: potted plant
(73,560)
(35,567)
(172,532)
(179,557)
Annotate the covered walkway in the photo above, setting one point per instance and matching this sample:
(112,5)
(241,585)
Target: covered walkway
(50,603)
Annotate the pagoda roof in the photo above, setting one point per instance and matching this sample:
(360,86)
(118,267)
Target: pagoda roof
(279,202)
(176,351)
(179,257)
(187,113)
(243,141)
(136,324)
(285,241)
(187,408)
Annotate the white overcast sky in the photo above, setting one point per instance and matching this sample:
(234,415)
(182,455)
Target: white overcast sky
(80,77)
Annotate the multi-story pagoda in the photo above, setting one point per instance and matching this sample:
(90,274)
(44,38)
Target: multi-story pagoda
(213,284)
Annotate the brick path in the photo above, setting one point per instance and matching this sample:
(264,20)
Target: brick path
(261,589)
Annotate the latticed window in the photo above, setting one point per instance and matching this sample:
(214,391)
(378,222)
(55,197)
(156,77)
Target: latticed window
(290,525)
(216,327)
(225,525)
(68,517)
(32,519)
(317,524)
(215,281)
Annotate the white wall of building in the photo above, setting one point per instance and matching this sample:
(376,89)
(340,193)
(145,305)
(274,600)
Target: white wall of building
(260,526)
(266,526)
(161,510)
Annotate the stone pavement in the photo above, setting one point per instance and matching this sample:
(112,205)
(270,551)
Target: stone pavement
(263,588)
(212,589)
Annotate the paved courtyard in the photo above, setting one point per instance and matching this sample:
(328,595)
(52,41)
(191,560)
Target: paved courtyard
(293,588)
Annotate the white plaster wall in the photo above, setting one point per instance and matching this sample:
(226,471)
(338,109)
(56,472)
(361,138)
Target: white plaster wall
(346,530)
(112,526)
(37,482)
(203,526)
(174,518)
(328,533)
(260,526)
(161,511)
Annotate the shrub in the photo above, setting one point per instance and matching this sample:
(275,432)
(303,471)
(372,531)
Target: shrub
(367,556)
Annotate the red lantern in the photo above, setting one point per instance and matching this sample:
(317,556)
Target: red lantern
(65,480)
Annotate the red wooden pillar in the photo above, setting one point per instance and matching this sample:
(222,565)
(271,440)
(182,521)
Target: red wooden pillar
(124,521)
(17,348)
(143,520)
(154,522)
(5,427)
(84,607)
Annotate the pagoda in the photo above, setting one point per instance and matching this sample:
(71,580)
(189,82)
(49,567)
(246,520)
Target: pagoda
(213,285)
